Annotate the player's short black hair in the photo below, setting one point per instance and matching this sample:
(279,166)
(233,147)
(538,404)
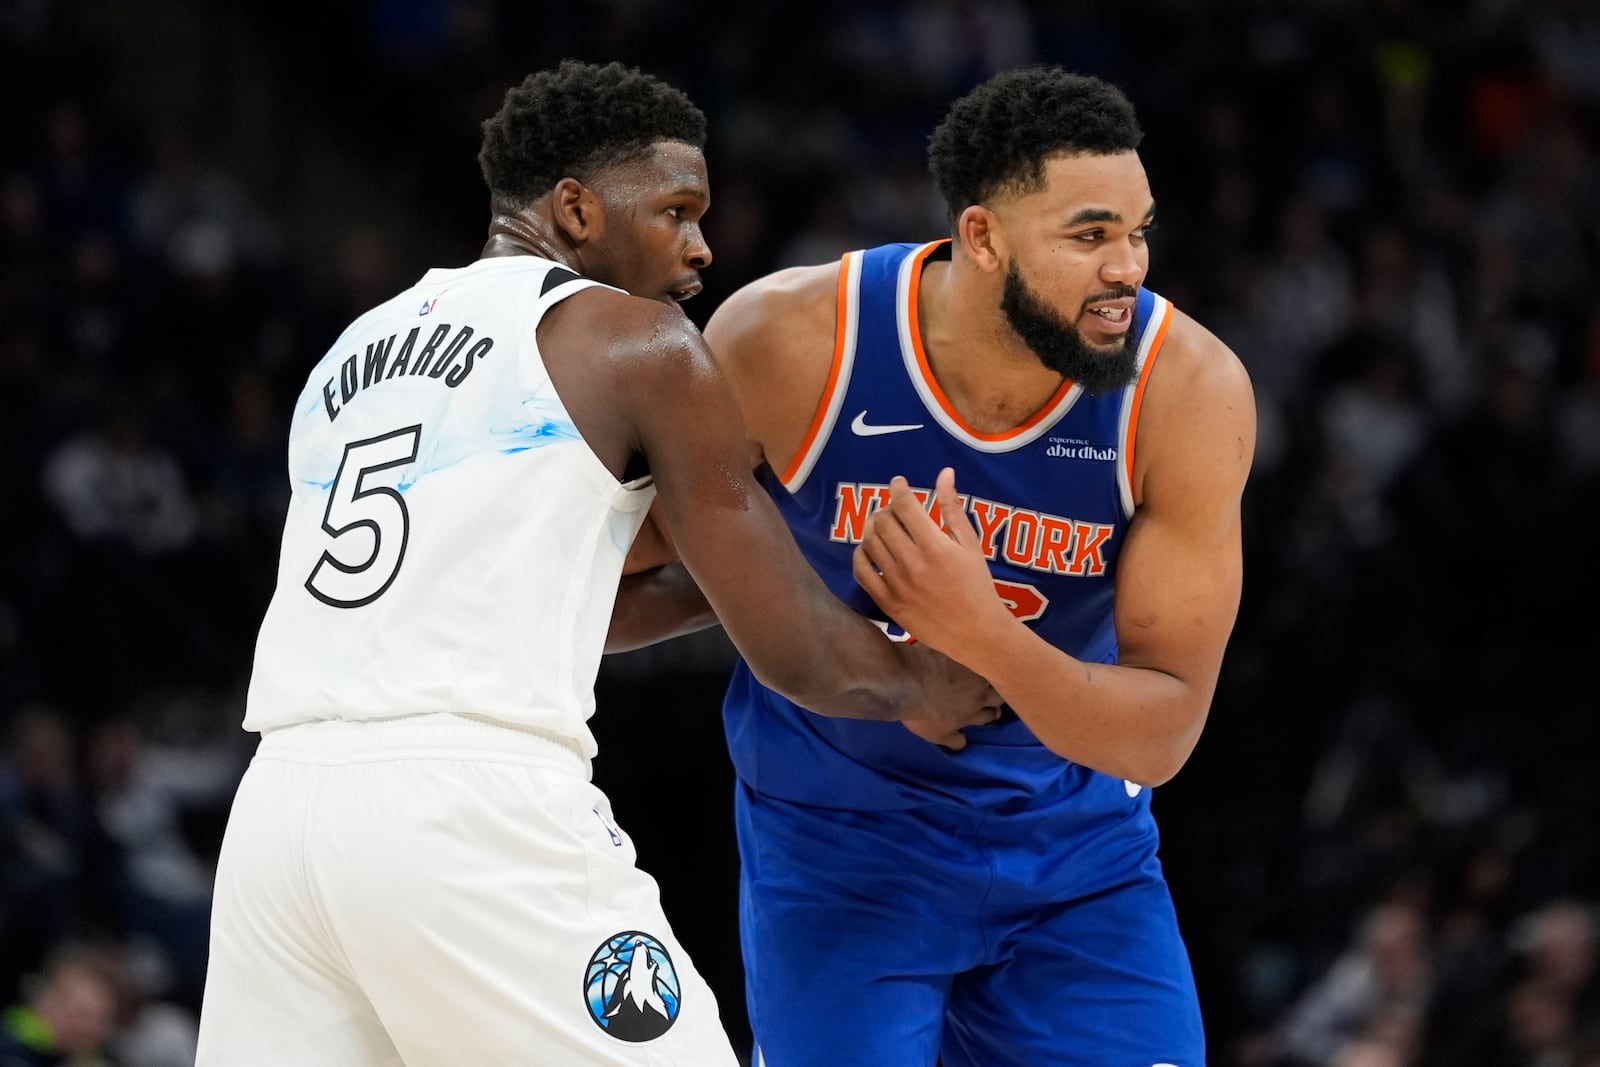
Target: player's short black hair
(998,136)
(576,119)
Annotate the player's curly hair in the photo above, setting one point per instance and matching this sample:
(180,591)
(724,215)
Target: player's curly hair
(997,137)
(577,119)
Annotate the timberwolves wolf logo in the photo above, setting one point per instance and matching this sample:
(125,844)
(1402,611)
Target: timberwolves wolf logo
(632,988)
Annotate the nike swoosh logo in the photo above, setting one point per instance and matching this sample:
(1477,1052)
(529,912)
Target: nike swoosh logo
(860,428)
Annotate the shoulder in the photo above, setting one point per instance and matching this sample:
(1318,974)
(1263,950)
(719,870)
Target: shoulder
(617,326)
(1198,406)
(617,311)
(623,356)
(780,308)
(774,338)
(1194,358)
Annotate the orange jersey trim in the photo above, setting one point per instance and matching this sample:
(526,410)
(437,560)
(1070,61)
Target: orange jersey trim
(1138,391)
(825,403)
(949,409)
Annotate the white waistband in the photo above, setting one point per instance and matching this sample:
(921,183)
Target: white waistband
(443,733)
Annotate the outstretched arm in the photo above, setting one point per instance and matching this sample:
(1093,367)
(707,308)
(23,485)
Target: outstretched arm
(673,405)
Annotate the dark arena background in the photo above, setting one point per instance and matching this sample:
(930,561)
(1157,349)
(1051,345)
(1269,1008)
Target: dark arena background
(1383,850)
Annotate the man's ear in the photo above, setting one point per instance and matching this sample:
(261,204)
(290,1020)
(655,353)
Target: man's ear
(577,210)
(981,237)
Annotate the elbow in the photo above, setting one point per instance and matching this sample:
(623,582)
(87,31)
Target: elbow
(1161,761)
(1149,766)
(1155,771)
(1163,754)
(1149,762)
(1147,769)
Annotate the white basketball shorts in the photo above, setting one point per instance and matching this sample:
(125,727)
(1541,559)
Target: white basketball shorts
(439,890)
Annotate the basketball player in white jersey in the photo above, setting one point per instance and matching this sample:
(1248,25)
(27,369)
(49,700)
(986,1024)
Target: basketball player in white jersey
(417,868)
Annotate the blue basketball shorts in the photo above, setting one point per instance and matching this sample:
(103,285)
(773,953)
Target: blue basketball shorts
(962,937)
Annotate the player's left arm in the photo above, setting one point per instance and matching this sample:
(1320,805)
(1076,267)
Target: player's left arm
(652,546)
(656,599)
(1178,580)
(657,604)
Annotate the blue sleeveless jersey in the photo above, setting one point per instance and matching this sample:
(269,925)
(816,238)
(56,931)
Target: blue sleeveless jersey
(1051,500)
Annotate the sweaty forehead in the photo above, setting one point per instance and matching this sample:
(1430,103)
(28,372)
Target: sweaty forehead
(670,166)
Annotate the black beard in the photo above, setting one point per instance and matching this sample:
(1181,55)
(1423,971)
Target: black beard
(1059,345)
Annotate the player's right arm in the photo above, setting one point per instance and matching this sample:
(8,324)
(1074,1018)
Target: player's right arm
(774,341)
(763,338)
(665,396)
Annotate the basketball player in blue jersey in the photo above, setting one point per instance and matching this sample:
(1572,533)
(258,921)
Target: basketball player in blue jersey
(417,868)
(1002,904)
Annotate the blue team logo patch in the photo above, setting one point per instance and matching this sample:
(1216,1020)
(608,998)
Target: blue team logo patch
(632,988)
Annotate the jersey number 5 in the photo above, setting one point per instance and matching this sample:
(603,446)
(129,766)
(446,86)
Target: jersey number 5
(364,519)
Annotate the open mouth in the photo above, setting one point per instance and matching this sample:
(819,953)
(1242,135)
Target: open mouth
(680,295)
(1117,316)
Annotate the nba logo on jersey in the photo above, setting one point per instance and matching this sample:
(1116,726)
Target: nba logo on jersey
(632,988)
(427,305)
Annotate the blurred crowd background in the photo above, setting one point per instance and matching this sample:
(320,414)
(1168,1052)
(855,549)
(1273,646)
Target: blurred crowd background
(1383,850)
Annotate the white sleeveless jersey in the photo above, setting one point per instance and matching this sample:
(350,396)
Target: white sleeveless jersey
(452,543)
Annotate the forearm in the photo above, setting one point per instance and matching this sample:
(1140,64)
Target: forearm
(656,605)
(1127,721)
(831,660)
(878,680)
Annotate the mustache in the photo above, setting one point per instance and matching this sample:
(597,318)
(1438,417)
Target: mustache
(1116,292)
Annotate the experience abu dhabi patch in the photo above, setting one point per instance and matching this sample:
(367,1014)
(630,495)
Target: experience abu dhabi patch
(632,988)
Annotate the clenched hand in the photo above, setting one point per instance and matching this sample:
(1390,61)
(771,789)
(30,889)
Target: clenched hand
(934,582)
(931,580)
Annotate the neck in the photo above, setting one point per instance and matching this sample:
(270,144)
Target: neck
(519,235)
(994,380)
